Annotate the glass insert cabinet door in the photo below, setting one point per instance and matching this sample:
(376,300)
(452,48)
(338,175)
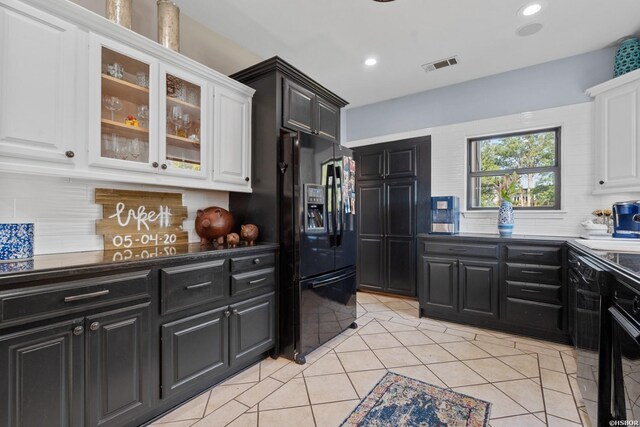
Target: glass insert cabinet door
(184,134)
(128,114)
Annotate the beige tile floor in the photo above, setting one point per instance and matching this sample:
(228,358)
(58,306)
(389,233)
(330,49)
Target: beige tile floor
(528,381)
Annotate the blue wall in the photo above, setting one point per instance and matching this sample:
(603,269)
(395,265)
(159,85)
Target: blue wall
(552,84)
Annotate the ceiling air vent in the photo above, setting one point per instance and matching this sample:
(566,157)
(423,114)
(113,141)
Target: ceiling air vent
(441,63)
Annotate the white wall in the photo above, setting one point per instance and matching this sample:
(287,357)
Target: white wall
(65,214)
(449,160)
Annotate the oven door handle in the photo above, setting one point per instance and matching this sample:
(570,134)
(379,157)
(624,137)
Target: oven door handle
(621,320)
(325,282)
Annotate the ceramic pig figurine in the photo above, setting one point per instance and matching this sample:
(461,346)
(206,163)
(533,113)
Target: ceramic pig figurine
(213,223)
(233,239)
(249,233)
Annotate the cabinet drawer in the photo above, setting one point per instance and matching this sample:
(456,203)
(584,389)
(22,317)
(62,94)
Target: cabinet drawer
(534,273)
(258,279)
(192,284)
(460,249)
(535,292)
(534,314)
(535,254)
(252,262)
(70,297)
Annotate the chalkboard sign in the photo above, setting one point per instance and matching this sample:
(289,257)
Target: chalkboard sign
(140,219)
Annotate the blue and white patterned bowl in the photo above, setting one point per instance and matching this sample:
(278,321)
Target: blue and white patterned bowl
(16,241)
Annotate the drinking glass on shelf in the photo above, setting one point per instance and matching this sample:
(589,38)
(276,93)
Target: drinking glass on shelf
(186,122)
(193,96)
(113,104)
(136,149)
(115,70)
(175,116)
(122,148)
(143,115)
(142,79)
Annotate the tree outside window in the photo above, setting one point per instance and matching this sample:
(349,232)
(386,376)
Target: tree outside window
(533,156)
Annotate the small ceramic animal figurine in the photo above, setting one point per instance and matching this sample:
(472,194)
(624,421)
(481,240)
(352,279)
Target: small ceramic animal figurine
(233,239)
(249,233)
(213,223)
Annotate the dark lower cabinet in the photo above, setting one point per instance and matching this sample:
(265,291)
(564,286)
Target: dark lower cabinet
(118,366)
(439,285)
(42,376)
(194,349)
(252,327)
(479,282)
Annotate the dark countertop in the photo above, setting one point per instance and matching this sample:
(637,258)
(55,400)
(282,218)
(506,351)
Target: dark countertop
(60,265)
(623,264)
(497,238)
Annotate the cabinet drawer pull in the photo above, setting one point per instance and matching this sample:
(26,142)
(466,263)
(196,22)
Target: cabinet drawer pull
(531,272)
(533,291)
(457,250)
(253,282)
(533,253)
(256,261)
(197,286)
(86,296)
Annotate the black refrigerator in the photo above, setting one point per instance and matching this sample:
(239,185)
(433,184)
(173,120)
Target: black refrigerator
(318,242)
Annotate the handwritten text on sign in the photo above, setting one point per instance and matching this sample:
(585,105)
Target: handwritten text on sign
(138,219)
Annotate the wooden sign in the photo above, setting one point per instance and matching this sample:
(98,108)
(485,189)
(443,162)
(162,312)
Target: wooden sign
(139,219)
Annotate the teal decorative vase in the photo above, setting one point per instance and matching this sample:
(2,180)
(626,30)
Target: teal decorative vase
(627,57)
(505,219)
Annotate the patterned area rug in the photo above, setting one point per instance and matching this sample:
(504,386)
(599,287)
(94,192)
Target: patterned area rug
(400,401)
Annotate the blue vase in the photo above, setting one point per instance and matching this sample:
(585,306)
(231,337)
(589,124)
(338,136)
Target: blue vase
(505,219)
(627,57)
(16,241)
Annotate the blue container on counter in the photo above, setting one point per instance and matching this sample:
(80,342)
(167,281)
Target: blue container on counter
(16,241)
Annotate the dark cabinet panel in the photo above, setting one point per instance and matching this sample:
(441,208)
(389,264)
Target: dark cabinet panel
(478,288)
(461,249)
(371,200)
(42,376)
(400,163)
(400,268)
(534,314)
(439,284)
(118,366)
(371,236)
(327,120)
(534,254)
(400,205)
(298,107)
(193,284)
(535,291)
(194,349)
(252,327)
(264,279)
(371,262)
(252,262)
(535,273)
(370,166)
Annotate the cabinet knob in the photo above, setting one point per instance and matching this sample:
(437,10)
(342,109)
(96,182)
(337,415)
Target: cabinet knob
(227,313)
(246,178)
(164,166)
(636,305)
(78,330)
(94,326)
(256,261)
(601,182)
(235,311)
(70,154)
(154,164)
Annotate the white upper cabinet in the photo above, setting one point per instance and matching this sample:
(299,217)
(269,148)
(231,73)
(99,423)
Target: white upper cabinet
(617,134)
(85,98)
(232,155)
(38,73)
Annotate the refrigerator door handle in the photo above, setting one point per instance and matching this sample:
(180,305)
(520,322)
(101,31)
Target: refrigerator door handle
(329,189)
(339,208)
(325,282)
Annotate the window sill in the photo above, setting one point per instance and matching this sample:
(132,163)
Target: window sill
(518,214)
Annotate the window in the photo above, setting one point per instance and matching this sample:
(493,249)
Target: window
(525,164)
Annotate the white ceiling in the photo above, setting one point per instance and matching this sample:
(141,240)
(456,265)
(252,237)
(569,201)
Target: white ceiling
(329,39)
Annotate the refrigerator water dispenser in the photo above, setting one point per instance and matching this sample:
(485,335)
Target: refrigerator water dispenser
(314,208)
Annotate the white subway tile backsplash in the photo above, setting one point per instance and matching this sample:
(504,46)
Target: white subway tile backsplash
(65,214)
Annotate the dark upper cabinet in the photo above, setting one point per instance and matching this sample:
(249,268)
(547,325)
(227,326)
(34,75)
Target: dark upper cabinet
(194,349)
(386,164)
(439,284)
(298,107)
(478,286)
(252,327)
(118,366)
(304,110)
(42,373)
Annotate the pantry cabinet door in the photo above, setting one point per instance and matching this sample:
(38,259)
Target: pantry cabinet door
(38,88)
(123,107)
(185,135)
(232,144)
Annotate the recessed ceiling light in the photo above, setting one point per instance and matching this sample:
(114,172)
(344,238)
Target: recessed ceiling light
(370,62)
(531,9)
